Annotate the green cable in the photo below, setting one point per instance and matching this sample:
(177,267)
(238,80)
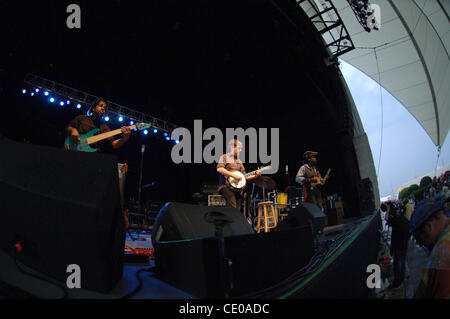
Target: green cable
(327,262)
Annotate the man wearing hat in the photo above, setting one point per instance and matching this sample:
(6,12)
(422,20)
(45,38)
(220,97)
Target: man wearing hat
(430,227)
(307,174)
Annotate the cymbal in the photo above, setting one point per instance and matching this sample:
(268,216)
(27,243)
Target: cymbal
(266,182)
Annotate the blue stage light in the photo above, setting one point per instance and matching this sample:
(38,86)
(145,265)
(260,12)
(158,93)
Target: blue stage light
(167,138)
(145,132)
(61,103)
(46,93)
(24,91)
(32,93)
(120,118)
(37,90)
(165,134)
(131,122)
(177,142)
(106,118)
(155,131)
(78,106)
(52,100)
(68,102)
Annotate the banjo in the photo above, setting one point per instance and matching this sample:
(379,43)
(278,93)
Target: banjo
(235,185)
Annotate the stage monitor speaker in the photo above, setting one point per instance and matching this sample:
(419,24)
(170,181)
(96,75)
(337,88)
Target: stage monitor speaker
(63,208)
(302,215)
(255,262)
(366,197)
(178,221)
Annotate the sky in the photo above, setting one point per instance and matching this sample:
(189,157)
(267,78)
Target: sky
(407,152)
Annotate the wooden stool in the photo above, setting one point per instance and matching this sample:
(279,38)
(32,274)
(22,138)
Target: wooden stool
(266,213)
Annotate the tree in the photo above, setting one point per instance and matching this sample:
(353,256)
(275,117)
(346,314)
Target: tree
(425,181)
(405,192)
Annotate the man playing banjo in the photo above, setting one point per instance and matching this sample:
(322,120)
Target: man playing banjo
(230,168)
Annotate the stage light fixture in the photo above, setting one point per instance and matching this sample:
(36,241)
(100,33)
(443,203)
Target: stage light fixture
(46,93)
(155,131)
(78,106)
(131,122)
(177,142)
(107,118)
(165,134)
(61,103)
(68,102)
(120,118)
(32,93)
(52,100)
(24,91)
(167,138)
(37,90)
(145,132)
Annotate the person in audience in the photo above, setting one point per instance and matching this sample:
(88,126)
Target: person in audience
(430,227)
(399,242)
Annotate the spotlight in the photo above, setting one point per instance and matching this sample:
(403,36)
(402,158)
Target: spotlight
(24,91)
(32,94)
(177,142)
(61,103)
(120,118)
(78,106)
(155,131)
(52,100)
(167,138)
(131,122)
(68,102)
(37,90)
(145,132)
(165,134)
(46,93)
(106,118)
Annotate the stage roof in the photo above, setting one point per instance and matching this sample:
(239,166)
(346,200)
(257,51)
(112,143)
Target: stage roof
(408,55)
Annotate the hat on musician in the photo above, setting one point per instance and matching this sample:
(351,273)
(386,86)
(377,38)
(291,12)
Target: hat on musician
(309,154)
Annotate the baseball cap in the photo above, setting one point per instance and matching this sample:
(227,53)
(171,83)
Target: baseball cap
(423,211)
(308,154)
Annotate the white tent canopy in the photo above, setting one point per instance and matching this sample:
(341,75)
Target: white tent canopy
(408,56)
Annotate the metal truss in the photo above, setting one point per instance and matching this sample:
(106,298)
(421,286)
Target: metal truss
(325,17)
(87,100)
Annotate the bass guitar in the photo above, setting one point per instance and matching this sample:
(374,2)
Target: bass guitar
(93,137)
(235,185)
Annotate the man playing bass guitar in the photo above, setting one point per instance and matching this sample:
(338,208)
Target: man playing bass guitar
(228,163)
(82,124)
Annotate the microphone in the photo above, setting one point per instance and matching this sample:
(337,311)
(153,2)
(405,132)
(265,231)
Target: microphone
(143,148)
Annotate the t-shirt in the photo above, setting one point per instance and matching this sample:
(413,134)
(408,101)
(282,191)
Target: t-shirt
(85,124)
(409,209)
(230,163)
(436,277)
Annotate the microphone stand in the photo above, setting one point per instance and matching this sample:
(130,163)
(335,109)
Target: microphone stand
(140,208)
(287,176)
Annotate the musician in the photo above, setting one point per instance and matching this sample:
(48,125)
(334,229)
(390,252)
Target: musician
(307,174)
(228,163)
(83,124)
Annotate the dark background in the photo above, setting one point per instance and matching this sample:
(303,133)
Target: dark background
(253,63)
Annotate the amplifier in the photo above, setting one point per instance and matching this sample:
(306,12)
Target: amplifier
(216,200)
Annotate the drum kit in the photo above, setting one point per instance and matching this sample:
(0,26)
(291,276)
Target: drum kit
(267,191)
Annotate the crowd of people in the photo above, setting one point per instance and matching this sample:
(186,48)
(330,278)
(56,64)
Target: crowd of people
(427,222)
